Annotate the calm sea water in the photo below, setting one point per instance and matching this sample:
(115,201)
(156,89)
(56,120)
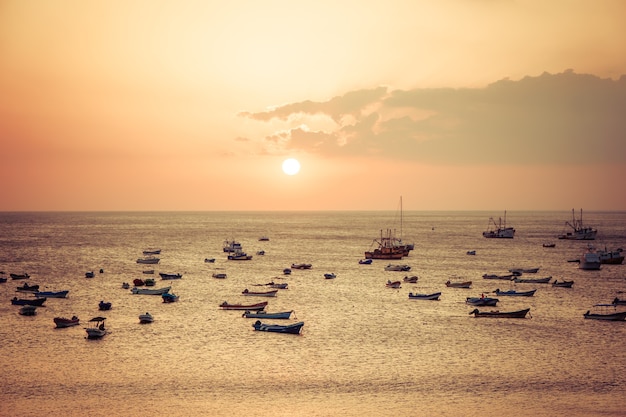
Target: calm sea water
(365,350)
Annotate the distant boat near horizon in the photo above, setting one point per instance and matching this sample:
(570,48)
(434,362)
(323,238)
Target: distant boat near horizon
(579,231)
(499,230)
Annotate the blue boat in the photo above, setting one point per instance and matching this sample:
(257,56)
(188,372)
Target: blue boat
(51,294)
(282,315)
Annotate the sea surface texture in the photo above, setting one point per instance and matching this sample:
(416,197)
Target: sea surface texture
(365,349)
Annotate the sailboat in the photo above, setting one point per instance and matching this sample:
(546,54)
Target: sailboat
(579,232)
(389,246)
(499,230)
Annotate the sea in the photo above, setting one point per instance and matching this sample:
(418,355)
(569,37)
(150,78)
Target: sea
(364,350)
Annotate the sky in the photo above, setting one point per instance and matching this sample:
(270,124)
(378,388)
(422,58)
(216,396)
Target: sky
(194,105)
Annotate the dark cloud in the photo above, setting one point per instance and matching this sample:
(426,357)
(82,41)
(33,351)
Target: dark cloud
(551,118)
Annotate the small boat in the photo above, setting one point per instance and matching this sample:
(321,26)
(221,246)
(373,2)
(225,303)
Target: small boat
(615,316)
(590,260)
(103,306)
(146,318)
(27,288)
(139,282)
(28,310)
(519,314)
(279,286)
(264,239)
(463,284)
(389,247)
(209,260)
(612,257)
(169,297)
(96,328)
(170,276)
(411,280)
(62,322)
(549,245)
(564,284)
(219,275)
(502,277)
(286,271)
(514,293)
(150,282)
(471,252)
(294,328)
(251,307)
(28,301)
(282,315)
(148,271)
(239,256)
(402,268)
(579,232)
(261,252)
(393,284)
(499,230)
(545,280)
(520,271)
(149,260)
(482,301)
(152,252)
(3,280)
(617,301)
(330,276)
(150,291)
(271,293)
(365,261)
(51,294)
(301,266)
(89,274)
(125,285)
(19,276)
(433,296)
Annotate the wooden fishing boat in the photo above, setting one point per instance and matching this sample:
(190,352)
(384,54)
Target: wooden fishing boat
(514,293)
(294,328)
(281,315)
(519,314)
(62,322)
(150,291)
(19,276)
(51,294)
(146,318)
(482,301)
(604,315)
(330,275)
(393,284)
(508,277)
(434,296)
(251,307)
(411,280)
(28,301)
(219,275)
(152,251)
(301,266)
(563,284)
(28,310)
(618,301)
(170,276)
(104,306)
(464,284)
(27,288)
(96,328)
(169,297)
(271,293)
(149,260)
(545,280)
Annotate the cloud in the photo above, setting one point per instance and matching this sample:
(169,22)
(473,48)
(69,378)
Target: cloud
(560,118)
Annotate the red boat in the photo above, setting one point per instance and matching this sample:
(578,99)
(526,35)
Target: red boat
(65,322)
(250,307)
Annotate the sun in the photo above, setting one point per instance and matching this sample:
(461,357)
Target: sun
(291,166)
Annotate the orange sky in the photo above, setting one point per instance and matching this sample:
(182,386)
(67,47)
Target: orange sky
(193,105)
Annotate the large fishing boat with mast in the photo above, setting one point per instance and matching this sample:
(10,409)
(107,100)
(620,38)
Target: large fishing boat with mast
(390,246)
(579,232)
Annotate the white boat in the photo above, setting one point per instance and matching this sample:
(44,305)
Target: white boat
(146,318)
(402,268)
(590,260)
(614,257)
(330,275)
(231,246)
(579,231)
(150,291)
(499,230)
(96,328)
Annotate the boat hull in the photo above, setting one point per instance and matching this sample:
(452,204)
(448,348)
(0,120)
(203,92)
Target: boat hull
(433,296)
(282,315)
(620,316)
(294,328)
(520,314)
(251,307)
